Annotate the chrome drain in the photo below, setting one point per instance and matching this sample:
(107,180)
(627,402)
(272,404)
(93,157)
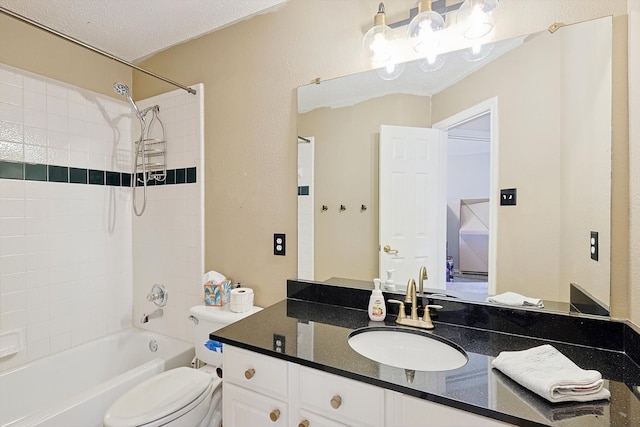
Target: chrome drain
(153,346)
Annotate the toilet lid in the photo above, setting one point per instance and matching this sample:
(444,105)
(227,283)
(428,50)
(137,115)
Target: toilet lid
(158,397)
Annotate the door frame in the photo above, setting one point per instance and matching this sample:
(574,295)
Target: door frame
(489,106)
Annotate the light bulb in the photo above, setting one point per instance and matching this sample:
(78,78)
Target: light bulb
(477,51)
(477,17)
(378,41)
(432,63)
(424,31)
(391,71)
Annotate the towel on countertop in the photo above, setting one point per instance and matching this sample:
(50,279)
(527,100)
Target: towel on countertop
(516,300)
(550,374)
(550,412)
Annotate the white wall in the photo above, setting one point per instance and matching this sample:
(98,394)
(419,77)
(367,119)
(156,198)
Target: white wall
(65,248)
(168,238)
(634,159)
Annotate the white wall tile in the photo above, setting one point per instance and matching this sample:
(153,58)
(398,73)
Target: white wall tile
(34,84)
(12,283)
(61,245)
(11,78)
(11,113)
(35,136)
(35,100)
(11,94)
(13,301)
(35,154)
(11,132)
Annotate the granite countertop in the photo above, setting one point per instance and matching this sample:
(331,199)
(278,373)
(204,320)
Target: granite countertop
(316,336)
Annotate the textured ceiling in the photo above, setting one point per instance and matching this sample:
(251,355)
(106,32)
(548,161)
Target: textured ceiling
(135,29)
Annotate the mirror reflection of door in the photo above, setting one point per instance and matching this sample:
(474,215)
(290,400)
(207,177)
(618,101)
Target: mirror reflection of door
(468,198)
(412,204)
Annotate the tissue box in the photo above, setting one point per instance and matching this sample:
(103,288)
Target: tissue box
(217,293)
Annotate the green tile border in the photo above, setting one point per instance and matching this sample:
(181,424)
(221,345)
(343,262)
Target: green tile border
(64,174)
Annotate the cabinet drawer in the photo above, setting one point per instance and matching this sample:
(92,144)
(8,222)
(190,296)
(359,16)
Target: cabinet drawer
(341,399)
(255,371)
(244,408)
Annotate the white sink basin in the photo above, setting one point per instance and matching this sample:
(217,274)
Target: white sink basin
(407,348)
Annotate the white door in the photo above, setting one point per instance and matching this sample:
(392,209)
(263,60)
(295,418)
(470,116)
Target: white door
(412,204)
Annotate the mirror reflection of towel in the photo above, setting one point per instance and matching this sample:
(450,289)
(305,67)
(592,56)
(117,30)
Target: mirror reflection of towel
(552,412)
(515,300)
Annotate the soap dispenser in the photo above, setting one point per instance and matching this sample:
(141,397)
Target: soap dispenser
(389,285)
(377,308)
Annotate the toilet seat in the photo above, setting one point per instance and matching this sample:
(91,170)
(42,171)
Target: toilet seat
(164,397)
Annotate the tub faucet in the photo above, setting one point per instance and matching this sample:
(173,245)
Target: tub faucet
(422,276)
(156,314)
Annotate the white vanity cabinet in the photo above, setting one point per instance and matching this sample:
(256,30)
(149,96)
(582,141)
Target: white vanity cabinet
(340,399)
(255,389)
(409,411)
(259,390)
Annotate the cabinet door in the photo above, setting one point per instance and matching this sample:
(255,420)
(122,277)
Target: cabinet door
(409,411)
(341,399)
(309,419)
(256,372)
(244,408)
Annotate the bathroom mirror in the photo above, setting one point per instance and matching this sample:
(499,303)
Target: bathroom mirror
(546,133)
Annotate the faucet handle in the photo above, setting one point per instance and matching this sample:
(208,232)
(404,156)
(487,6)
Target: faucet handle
(401,313)
(426,317)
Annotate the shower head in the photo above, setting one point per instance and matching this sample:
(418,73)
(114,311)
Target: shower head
(123,90)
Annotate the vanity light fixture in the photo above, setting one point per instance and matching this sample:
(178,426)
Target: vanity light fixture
(477,17)
(377,42)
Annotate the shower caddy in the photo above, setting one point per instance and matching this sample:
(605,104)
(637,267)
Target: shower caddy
(151,149)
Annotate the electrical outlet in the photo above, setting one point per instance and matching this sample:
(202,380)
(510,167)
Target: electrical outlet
(279,244)
(593,245)
(508,197)
(278,343)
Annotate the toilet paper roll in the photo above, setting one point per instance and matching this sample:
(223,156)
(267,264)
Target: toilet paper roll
(241,300)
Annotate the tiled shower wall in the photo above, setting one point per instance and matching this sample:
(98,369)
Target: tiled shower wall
(168,239)
(65,214)
(305,208)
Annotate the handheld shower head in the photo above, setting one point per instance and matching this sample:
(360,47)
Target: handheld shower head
(123,90)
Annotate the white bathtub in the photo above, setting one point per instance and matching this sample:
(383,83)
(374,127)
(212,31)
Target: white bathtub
(75,387)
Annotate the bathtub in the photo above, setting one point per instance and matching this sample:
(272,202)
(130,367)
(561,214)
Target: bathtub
(75,387)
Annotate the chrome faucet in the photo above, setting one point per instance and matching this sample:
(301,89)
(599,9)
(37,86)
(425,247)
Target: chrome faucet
(156,314)
(413,320)
(422,276)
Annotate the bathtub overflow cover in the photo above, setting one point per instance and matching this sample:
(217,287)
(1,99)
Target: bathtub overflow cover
(153,346)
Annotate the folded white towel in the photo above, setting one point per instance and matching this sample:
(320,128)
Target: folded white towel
(515,299)
(550,374)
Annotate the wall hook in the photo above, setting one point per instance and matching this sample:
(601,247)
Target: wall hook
(324,208)
(363,208)
(343,208)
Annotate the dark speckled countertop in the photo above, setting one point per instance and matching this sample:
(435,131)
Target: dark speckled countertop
(316,336)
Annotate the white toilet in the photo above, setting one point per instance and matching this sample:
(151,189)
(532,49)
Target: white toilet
(182,396)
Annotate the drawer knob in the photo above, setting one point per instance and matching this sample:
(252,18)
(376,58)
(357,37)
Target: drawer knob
(304,423)
(274,415)
(249,373)
(336,401)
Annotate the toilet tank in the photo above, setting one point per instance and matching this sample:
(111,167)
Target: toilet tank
(209,319)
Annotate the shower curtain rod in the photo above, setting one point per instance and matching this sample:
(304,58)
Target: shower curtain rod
(92,48)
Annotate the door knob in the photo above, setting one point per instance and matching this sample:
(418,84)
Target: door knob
(388,250)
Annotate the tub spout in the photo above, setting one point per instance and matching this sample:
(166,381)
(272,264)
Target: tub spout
(156,314)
